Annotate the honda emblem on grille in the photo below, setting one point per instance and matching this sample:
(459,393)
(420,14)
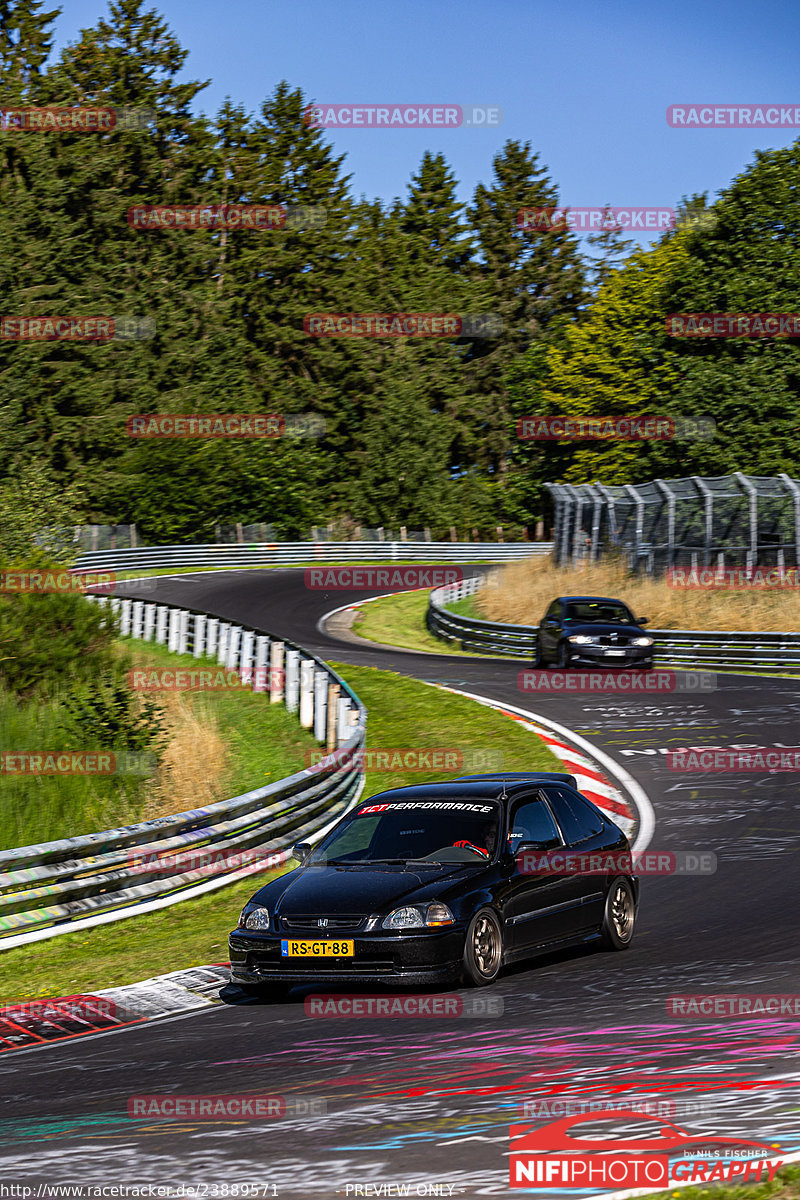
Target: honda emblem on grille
(323,922)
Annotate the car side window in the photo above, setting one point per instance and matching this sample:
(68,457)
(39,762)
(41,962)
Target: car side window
(578,820)
(532,821)
(555,609)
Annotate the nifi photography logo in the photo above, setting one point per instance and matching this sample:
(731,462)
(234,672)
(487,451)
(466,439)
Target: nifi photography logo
(561,1155)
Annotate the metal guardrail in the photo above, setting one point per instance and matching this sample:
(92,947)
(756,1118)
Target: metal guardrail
(288,553)
(102,876)
(711,649)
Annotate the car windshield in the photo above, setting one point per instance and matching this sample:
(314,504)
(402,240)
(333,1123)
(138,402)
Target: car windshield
(457,830)
(609,612)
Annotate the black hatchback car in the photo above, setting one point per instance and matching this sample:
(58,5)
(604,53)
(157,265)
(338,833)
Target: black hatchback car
(440,882)
(592,629)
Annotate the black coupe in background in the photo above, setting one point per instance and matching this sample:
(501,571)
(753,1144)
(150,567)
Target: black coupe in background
(432,884)
(592,629)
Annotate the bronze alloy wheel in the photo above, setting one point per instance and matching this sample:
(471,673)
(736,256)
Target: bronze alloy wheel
(619,918)
(483,949)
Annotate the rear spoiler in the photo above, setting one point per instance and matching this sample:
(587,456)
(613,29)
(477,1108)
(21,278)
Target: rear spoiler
(520,777)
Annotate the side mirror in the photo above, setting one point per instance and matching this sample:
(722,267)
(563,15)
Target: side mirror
(301,851)
(551,621)
(642,620)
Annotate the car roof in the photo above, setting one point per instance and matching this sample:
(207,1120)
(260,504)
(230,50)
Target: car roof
(600,599)
(489,787)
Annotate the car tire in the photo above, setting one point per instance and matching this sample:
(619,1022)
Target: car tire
(646,664)
(483,949)
(538,657)
(564,657)
(619,917)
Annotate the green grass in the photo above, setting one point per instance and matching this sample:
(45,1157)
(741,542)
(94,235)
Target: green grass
(785,1186)
(400,621)
(265,743)
(402,714)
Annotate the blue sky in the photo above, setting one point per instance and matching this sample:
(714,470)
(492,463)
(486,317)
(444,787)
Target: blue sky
(586,83)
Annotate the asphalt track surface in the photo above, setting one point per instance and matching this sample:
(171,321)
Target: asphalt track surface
(428,1102)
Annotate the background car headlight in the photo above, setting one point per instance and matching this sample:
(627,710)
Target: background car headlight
(254,916)
(642,641)
(581,639)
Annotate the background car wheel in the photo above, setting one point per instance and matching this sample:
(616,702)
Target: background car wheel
(483,949)
(647,664)
(619,917)
(564,657)
(538,657)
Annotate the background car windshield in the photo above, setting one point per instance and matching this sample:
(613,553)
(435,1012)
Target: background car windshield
(609,612)
(413,830)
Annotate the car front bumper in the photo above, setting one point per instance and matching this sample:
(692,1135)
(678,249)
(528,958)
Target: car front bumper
(430,958)
(610,656)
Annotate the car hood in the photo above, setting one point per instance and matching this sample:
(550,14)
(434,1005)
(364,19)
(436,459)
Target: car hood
(328,890)
(602,628)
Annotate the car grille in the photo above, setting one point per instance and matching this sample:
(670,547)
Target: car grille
(613,639)
(327,966)
(342,921)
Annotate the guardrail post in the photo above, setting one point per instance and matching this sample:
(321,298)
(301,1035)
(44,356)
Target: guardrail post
(276,672)
(306,693)
(174,629)
(222,642)
(136,618)
(343,730)
(260,669)
(320,703)
(149,621)
(292,680)
(183,632)
(199,634)
(212,636)
(161,624)
(125,618)
(332,715)
(246,657)
(234,638)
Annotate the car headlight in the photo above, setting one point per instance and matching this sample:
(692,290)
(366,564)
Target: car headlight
(644,641)
(581,639)
(409,917)
(254,916)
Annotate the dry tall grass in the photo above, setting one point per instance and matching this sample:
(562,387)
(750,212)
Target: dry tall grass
(520,593)
(195,762)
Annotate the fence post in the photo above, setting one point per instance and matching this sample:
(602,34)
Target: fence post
(320,700)
(292,680)
(183,632)
(161,624)
(125,618)
(260,668)
(136,622)
(222,642)
(276,672)
(199,634)
(246,657)
(174,629)
(212,634)
(306,693)
(149,621)
(234,637)
(332,715)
